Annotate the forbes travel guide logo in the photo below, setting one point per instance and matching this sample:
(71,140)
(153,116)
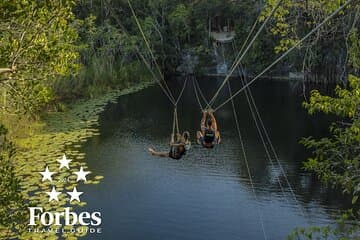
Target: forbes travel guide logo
(66,220)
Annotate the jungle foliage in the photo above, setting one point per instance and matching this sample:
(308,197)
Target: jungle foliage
(326,54)
(37,45)
(12,203)
(64,50)
(55,51)
(335,159)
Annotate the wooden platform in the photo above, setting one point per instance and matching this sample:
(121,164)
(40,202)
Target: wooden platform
(223,36)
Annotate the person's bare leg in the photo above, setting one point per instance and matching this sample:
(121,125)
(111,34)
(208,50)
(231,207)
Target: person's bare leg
(198,136)
(158,154)
(213,121)
(203,119)
(172,140)
(218,137)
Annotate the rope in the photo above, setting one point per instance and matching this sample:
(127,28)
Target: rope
(175,122)
(175,119)
(197,97)
(156,79)
(245,51)
(245,42)
(251,103)
(149,49)
(201,93)
(258,120)
(247,163)
(286,53)
(144,59)
(252,106)
(181,92)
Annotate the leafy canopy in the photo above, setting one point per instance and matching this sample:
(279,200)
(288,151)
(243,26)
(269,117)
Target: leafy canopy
(37,41)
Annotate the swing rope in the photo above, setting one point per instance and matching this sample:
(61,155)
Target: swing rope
(150,51)
(142,57)
(167,90)
(201,93)
(181,92)
(197,96)
(175,123)
(175,117)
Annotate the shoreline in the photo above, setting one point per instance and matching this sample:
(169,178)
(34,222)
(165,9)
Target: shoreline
(61,133)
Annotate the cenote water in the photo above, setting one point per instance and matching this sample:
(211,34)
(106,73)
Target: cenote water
(207,194)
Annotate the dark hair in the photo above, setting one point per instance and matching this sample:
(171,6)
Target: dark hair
(209,122)
(186,135)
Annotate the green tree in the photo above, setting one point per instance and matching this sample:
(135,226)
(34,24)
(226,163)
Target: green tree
(12,204)
(336,159)
(37,43)
(293,18)
(179,20)
(325,54)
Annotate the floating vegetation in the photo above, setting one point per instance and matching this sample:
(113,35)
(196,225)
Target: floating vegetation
(61,133)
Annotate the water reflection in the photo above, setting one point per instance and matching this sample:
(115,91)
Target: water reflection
(206,195)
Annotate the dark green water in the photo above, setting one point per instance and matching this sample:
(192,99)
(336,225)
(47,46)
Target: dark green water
(206,195)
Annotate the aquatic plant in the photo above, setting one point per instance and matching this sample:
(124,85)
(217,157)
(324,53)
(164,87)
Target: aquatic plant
(61,132)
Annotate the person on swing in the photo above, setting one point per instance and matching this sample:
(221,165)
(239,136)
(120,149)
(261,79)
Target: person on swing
(209,134)
(178,147)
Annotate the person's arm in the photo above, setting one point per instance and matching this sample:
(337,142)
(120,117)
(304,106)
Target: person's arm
(203,119)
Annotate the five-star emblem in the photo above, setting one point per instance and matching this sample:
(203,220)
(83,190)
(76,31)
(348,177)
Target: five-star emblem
(64,162)
(75,195)
(47,175)
(81,175)
(53,195)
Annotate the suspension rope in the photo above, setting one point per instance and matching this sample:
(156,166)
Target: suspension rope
(182,91)
(197,96)
(201,93)
(286,53)
(156,79)
(147,64)
(254,111)
(245,42)
(175,118)
(252,106)
(174,122)
(247,163)
(167,89)
(237,62)
(177,121)
(149,49)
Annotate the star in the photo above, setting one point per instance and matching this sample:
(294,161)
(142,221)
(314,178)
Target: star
(81,175)
(53,195)
(64,162)
(75,195)
(47,175)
